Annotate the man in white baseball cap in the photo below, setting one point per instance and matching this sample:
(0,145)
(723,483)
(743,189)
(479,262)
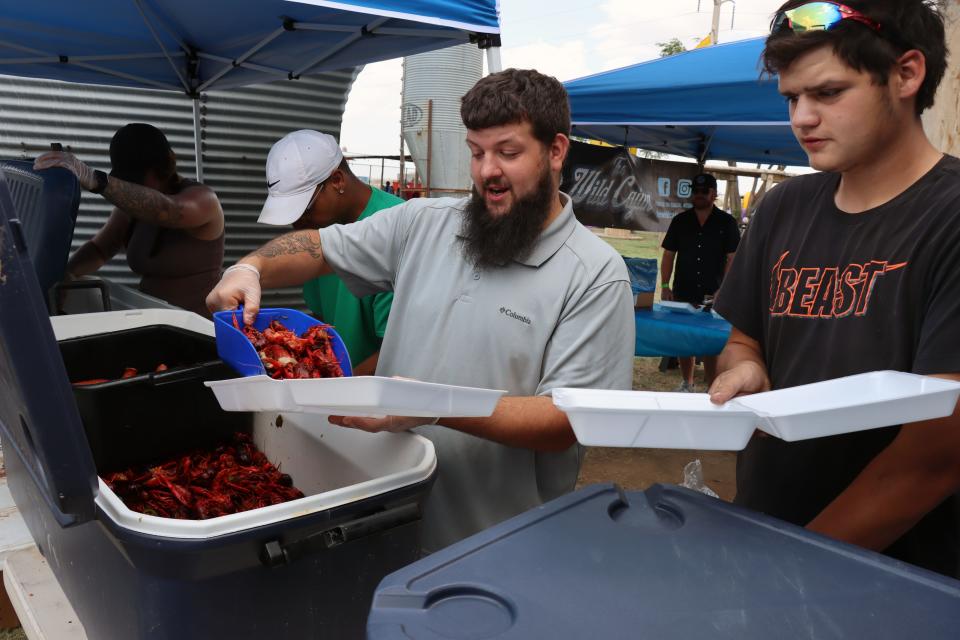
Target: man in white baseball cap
(296,167)
(310,186)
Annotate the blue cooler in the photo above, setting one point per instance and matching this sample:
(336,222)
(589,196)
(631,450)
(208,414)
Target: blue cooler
(302,569)
(666,563)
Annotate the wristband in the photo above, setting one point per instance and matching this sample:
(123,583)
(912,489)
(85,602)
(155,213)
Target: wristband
(244,266)
(664,285)
(101,182)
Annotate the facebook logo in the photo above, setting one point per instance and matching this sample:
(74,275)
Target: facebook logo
(663,187)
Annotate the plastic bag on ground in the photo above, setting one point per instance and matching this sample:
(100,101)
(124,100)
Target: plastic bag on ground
(693,479)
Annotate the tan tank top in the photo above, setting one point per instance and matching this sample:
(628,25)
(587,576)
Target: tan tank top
(173,265)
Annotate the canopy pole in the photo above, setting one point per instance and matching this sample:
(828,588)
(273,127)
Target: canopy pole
(489,42)
(197,144)
(704,150)
(494,64)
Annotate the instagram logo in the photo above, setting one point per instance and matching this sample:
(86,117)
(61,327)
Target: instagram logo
(684,188)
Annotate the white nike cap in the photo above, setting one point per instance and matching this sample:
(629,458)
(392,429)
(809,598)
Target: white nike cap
(296,164)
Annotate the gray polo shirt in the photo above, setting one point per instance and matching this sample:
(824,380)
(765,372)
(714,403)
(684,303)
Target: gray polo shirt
(562,317)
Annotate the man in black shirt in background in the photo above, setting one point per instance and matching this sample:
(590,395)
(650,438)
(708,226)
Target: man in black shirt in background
(851,270)
(701,242)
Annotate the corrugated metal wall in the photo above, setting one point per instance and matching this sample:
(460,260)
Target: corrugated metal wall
(238,127)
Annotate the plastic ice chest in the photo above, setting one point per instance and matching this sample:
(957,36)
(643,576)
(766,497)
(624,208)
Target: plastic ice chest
(237,351)
(301,569)
(46,204)
(667,563)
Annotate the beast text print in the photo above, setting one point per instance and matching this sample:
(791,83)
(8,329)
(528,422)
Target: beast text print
(825,292)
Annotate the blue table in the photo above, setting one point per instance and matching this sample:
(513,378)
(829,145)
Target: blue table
(668,333)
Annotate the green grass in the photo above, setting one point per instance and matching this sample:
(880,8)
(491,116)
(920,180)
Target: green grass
(641,245)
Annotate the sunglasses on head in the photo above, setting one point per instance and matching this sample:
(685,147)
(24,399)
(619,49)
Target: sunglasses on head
(819,16)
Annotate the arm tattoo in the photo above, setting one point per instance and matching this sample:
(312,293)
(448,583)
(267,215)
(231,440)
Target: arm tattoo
(291,244)
(143,203)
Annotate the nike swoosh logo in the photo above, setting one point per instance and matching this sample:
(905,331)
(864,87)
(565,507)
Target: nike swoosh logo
(270,184)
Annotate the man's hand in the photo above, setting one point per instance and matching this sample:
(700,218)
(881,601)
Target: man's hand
(744,378)
(240,285)
(391,424)
(666,294)
(70,162)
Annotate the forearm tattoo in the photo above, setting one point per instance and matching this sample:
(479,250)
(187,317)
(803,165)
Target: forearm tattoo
(143,203)
(291,244)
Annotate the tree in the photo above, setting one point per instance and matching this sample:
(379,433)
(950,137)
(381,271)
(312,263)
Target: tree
(671,47)
(942,122)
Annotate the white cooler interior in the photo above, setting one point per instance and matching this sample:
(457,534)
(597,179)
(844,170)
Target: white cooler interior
(331,465)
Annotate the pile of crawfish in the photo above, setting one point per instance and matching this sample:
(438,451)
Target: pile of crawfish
(286,356)
(199,485)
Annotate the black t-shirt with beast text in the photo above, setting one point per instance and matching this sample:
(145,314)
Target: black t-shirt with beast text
(830,294)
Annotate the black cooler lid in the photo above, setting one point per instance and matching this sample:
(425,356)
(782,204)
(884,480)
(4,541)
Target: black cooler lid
(39,421)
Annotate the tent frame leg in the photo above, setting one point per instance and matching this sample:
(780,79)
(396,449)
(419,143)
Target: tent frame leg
(197,138)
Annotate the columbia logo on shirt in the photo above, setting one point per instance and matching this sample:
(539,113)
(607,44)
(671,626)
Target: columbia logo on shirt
(510,313)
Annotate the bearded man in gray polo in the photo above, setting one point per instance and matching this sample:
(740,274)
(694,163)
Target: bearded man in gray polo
(503,290)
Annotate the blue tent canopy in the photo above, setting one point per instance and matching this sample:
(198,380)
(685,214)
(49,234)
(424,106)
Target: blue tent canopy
(705,103)
(197,45)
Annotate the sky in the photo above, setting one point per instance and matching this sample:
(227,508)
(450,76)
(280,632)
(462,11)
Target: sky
(571,39)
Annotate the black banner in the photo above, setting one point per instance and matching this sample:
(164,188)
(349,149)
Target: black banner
(612,188)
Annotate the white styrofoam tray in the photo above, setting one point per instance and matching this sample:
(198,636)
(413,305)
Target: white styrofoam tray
(355,396)
(656,420)
(690,421)
(854,403)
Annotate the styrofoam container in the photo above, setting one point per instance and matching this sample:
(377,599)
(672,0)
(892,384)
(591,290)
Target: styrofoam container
(331,465)
(676,307)
(690,421)
(854,403)
(373,396)
(649,419)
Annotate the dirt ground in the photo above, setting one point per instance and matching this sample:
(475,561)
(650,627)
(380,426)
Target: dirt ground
(636,469)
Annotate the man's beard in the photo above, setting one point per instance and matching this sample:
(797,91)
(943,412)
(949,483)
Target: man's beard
(493,241)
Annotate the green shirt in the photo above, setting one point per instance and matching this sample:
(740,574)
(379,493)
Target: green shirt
(361,322)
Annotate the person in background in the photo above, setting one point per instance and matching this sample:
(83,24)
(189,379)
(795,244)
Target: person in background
(700,242)
(501,290)
(310,185)
(171,227)
(851,270)
(388,187)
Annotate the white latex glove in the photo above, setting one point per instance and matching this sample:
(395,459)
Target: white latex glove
(240,285)
(392,424)
(70,162)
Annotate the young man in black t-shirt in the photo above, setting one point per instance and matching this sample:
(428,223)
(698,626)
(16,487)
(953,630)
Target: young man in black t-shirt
(852,270)
(701,242)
